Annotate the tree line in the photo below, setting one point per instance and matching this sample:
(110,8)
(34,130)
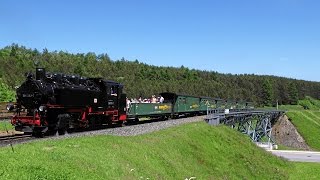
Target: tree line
(141,79)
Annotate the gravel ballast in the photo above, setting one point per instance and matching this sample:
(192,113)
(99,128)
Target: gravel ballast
(138,129)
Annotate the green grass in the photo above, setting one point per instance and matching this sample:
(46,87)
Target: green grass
(283,147)
(306,104)
(291,108)
(308,125)
(193,150)
(305,171)
(5,125)
(310,103)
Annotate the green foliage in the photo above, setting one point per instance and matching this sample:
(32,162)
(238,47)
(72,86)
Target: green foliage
(144,80)
(193,150)
(293,93)
(6,94)
(267,92)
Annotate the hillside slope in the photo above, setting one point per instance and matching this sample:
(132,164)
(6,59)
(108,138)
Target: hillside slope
(307,123)
(193,150)
(306,118)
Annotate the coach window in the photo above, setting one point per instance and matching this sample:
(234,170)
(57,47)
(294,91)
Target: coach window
(183,100)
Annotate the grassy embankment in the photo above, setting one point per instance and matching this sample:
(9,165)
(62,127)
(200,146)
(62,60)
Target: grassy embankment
(193,150)
(306,118)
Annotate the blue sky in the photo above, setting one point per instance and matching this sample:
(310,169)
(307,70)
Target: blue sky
(274,37)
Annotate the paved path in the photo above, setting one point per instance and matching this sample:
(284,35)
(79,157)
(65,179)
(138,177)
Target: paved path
(298,156)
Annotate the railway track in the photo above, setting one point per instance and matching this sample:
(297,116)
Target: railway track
(15,139)
(6,118)
(4,114)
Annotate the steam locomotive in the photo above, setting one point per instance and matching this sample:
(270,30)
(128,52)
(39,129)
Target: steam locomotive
(55,103)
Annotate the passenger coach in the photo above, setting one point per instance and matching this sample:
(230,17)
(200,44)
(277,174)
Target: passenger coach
(174,105)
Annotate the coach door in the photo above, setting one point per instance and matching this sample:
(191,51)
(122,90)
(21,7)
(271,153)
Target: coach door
(182,101)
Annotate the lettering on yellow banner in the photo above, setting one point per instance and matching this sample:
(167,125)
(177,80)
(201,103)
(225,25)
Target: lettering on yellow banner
(194,106)
(164,107)
(213,106)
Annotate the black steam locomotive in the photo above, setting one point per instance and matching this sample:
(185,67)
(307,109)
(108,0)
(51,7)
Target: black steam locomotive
(55,103)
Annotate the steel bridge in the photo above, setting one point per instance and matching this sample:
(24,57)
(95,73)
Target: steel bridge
(257,124)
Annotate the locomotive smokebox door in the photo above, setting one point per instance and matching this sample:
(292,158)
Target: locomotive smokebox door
(40,73)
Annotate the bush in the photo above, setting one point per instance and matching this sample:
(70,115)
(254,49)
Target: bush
(6,94)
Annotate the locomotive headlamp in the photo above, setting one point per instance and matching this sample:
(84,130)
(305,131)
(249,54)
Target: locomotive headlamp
(42,108)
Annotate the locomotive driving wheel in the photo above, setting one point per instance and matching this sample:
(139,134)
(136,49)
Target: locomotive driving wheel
(38,134)
(120,123)
(62,125)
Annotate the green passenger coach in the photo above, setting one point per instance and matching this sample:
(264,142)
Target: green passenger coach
(208,103)
(184,104)
(176,105)
(149,109)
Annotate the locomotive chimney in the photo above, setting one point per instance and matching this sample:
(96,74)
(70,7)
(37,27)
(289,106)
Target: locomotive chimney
(40,73)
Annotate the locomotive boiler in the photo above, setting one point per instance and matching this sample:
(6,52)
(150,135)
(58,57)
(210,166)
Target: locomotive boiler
(57,103)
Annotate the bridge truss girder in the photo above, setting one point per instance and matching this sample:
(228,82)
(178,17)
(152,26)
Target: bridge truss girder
(256,124)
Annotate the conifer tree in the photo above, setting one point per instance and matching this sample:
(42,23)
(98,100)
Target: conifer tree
(267,92)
